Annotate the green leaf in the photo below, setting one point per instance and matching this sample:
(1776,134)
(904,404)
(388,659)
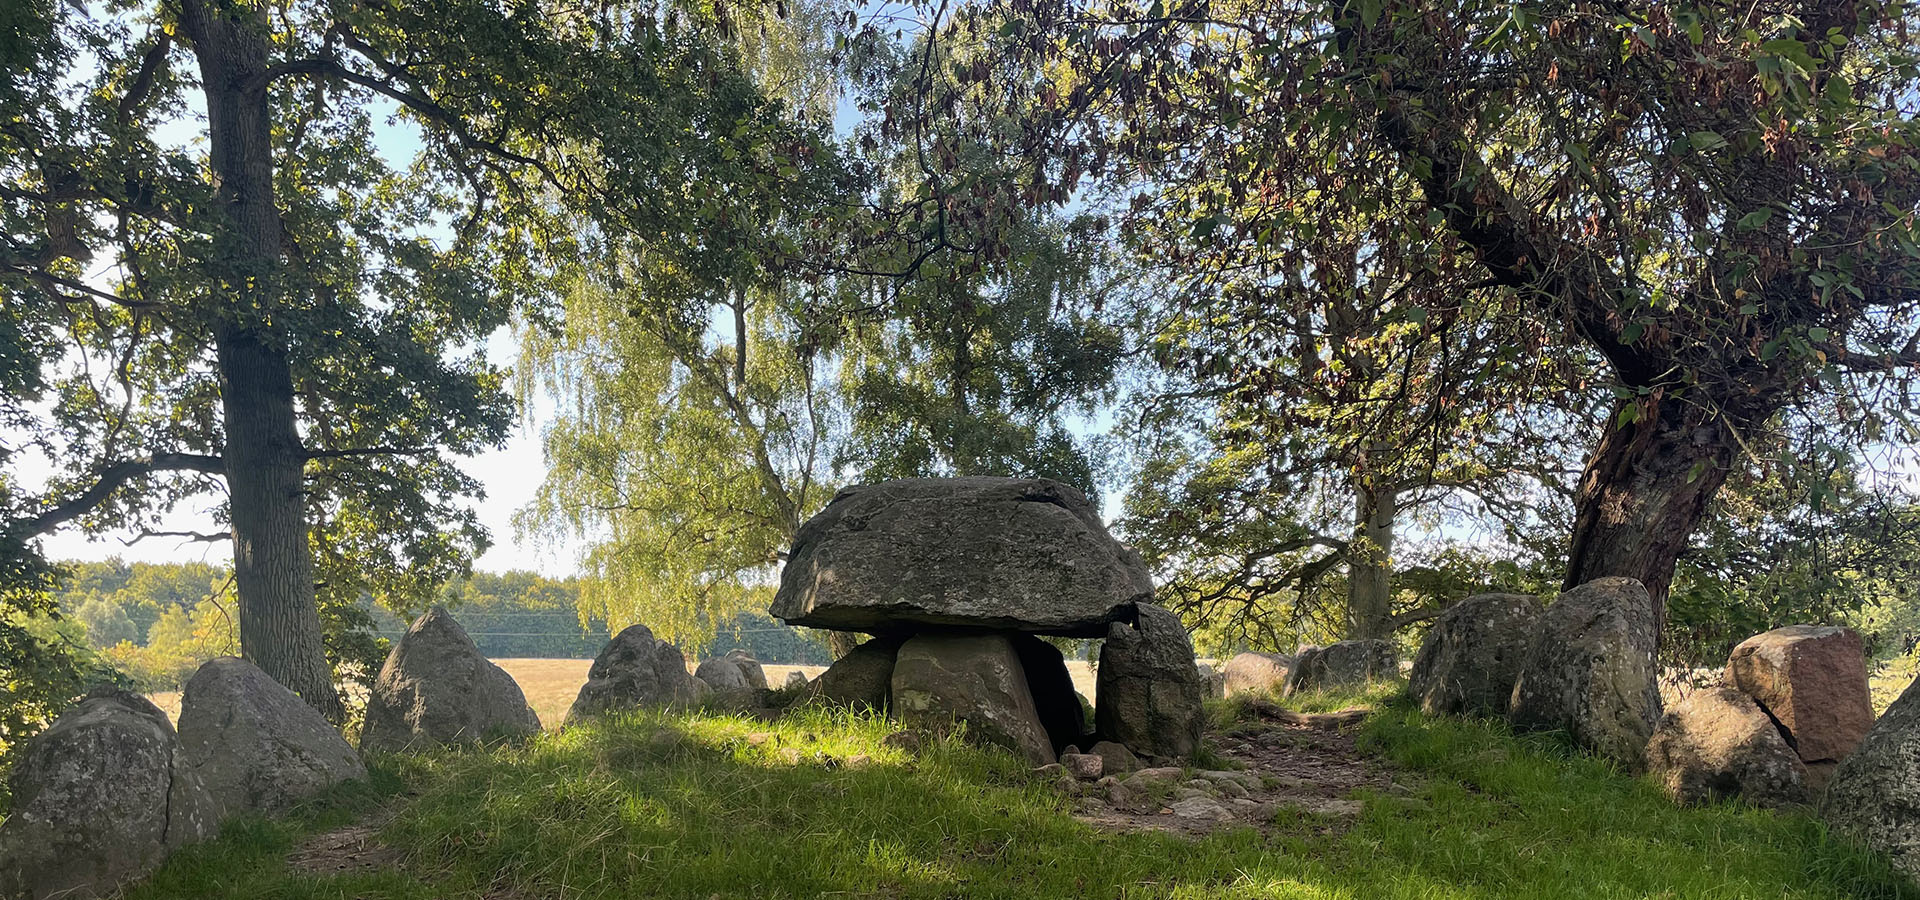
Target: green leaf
(1632,332)
(1756,219)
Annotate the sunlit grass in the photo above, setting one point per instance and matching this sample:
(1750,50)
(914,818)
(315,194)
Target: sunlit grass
(700,805)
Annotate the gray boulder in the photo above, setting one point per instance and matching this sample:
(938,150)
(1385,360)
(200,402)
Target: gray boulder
(436,688)
(1018,554)
(1874,796)
(255,745)
(1255,673)
(99,799)
(1589,671)
(941,679)
(1212,683)
(1148,692)
(750,668)
(723,674)
(635,669)
(796,681)
(1471,657)
(862,678)
(1717,745)
(1345,664)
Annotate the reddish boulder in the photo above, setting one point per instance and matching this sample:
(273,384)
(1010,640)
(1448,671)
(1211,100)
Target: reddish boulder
(1812,679)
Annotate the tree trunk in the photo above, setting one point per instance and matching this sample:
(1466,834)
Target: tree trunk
(272,560)
(1645,489)
(1370,561)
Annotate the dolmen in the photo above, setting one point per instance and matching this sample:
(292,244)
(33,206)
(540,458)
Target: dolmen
(960,581)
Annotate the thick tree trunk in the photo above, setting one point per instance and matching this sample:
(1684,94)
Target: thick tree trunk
(1370,562)
(1645,489)
(272,560)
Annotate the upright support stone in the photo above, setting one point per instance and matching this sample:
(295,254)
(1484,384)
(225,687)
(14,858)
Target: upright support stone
(1148,693)
(436,688)
(940,679)
(633,670)
(1874,796)
(1471,657)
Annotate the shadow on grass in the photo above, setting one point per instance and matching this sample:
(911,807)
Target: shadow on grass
(699,806)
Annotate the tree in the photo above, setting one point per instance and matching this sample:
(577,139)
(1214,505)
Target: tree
(1718,202)
(702,417)
(295,320)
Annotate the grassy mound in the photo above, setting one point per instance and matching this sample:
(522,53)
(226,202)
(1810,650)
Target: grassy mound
(702,805)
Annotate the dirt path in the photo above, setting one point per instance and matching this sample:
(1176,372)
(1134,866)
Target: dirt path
(1285,761)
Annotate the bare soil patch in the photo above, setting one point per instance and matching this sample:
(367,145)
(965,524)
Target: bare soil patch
(347,850)
(1286,762)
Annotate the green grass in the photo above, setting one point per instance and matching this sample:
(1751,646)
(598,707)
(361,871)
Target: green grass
(651,805)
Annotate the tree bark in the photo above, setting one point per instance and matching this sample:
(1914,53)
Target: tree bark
(1370,561)
(265,461)
(1646,487)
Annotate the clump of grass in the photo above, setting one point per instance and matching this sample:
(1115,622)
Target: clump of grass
(699,804)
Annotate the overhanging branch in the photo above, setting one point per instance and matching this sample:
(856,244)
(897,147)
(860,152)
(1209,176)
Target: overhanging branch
(111,479)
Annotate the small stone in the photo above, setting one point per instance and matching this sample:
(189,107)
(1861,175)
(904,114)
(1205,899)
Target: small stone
(790,755)
(1201,807)
(758,738)
(1187,793)
(859,761)
(1160,773)
(1200,784)
(904,741)
(1115,758)
(1050,769)
(1233,789)
(1084,766)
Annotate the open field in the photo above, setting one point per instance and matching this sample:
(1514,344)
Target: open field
(698,805)
(551,684)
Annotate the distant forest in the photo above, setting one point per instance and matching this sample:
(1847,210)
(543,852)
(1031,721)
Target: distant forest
(156,622)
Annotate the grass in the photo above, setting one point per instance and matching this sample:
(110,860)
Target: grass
(657,805)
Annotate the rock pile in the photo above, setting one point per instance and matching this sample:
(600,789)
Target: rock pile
(956,577)
(1794,703)
(436,688)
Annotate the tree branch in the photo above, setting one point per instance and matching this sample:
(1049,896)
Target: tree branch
(369,451)
(111,479)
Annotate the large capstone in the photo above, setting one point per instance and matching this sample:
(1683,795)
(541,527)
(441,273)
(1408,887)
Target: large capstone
(1589,670)
(99,799)
(1812,679)
(634,670)
(1016,554)
(1717,745)
(943,679)
(256,745)
(1874,796)
(1470,659)
(436,688)
(863,678)
(1347,664)
(1149,693)
(1256,673)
